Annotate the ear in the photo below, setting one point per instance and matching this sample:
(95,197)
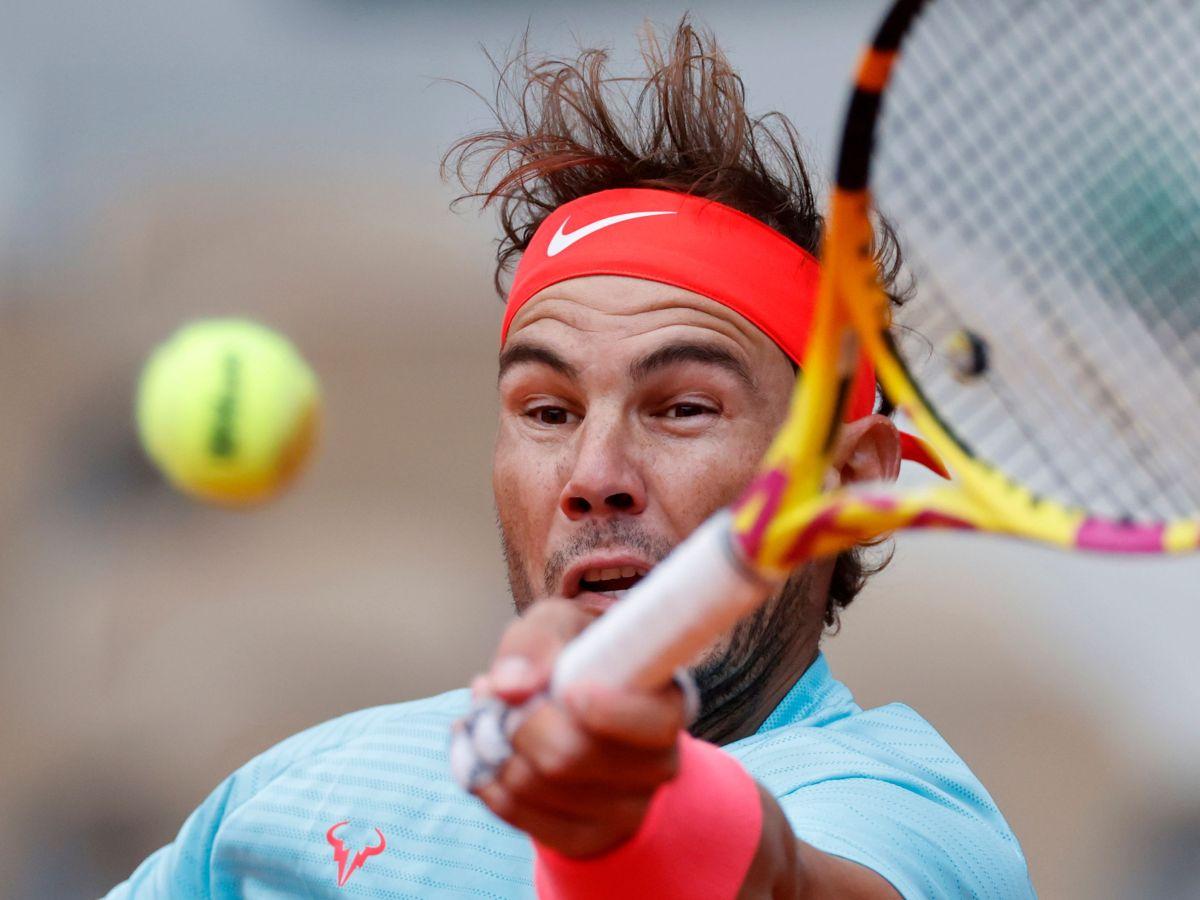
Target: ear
(867,449)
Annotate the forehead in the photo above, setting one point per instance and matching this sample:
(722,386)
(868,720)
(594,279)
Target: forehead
(609,308)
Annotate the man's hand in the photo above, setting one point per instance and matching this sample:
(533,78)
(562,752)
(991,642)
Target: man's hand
(585,767)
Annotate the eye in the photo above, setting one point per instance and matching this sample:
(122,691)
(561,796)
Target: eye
(551,415)
(688,410)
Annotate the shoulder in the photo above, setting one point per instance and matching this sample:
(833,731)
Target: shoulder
(891,742)
(892,739)
(377,771)
(422,724)
(884,788)
(418,720)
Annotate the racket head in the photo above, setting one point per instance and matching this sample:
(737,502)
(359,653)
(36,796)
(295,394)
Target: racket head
(1038,161)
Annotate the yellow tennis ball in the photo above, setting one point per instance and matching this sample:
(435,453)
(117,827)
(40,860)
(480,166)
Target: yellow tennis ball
(228,410)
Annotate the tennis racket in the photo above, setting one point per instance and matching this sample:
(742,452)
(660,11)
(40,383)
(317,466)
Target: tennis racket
(1040,160)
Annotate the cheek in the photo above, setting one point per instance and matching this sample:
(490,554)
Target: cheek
(525,487)
(697,478)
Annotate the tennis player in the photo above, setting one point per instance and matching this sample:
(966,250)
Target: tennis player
(663,287)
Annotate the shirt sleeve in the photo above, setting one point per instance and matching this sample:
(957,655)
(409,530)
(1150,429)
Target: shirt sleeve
(924,847)
(181,869)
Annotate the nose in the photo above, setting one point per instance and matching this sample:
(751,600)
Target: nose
(605,477)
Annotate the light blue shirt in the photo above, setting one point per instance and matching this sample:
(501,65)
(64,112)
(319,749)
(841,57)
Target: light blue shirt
(879,787)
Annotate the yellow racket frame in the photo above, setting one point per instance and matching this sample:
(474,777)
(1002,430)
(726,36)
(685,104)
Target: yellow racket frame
(786,517)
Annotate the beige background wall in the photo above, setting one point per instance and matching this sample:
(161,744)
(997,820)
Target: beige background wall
(161,161)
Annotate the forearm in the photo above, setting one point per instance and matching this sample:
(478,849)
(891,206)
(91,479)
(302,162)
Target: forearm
(785,868)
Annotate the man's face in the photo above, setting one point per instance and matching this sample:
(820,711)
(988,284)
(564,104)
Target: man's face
(629,412)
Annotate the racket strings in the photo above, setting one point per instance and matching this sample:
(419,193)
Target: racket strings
(1093,379)
(1090,237)
(972,155)
(1023,433)
(1039,162)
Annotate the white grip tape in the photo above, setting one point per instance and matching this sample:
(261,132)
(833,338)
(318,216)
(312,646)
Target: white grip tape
(688,600)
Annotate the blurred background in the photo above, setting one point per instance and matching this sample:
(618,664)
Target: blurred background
(162,160)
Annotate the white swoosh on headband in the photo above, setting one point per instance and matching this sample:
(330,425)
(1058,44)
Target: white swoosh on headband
(561,241)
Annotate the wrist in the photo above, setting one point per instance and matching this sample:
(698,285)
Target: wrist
(697,841)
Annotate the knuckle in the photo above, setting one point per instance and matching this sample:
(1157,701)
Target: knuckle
(525,783)
(558,758)
(556,765)
(517,779)
(498,800)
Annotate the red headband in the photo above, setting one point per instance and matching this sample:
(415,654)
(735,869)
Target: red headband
(696,244)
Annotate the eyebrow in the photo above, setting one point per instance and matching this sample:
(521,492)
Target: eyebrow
(688,351)
(662,358)
(526,353)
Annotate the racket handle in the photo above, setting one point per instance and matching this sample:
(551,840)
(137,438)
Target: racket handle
(688,600)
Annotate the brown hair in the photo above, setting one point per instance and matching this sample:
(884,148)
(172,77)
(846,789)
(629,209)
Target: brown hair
(567,128)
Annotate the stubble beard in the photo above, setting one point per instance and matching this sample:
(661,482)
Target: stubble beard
(736,678)
(733,678)
(624,534)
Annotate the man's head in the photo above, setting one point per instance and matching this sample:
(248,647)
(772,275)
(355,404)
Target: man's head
(631,409)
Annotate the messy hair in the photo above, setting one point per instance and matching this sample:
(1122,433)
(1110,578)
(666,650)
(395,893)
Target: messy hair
(565,128)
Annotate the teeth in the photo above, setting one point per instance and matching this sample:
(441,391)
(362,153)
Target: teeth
(609,574)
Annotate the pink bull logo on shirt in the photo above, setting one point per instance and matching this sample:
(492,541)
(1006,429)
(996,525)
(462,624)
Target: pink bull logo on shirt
(341,855)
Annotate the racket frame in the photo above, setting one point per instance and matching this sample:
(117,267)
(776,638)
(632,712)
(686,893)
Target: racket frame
(983,498)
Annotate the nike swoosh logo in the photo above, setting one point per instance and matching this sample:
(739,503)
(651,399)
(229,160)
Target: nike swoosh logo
(561,241)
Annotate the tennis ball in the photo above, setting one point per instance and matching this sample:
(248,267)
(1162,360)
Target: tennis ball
(228,410)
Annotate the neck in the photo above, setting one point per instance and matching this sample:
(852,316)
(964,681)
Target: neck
(765,656)
(770,697)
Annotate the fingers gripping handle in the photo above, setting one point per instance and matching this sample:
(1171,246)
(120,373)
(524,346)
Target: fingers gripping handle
(689,599)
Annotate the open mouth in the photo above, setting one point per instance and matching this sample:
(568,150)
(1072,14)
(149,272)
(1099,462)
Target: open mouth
(613,581)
